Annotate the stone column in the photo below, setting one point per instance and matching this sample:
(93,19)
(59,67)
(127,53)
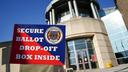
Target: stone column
(76,56)
(75,7)
(50,16)
(53,16)
(104,52)
(70,8)
(93,10)
(96,11)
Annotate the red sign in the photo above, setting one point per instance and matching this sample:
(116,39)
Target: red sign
(33,45)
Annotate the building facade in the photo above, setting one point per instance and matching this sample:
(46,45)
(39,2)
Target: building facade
(88,45)
(87,42)
(118,35)
(116,25)
(4,58)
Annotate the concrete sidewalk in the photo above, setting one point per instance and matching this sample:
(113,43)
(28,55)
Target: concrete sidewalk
(119,68)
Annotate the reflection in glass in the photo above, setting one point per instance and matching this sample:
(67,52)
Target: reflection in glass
(72,61)
(71,54)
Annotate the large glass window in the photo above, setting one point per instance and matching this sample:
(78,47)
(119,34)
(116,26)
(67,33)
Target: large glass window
(122,57)
(84,13)
(81,54)
(80,44)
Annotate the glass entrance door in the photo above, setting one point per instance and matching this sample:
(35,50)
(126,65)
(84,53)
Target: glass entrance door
(86,59)
(83,60)
(81,54)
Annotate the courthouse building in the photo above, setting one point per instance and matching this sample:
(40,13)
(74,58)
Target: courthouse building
(87,42)
(88,45)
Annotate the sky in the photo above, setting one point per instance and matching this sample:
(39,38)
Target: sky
(26,12)
(20,12)
(106,3)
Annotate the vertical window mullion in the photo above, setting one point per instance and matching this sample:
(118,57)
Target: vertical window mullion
(76,57)
(89,61)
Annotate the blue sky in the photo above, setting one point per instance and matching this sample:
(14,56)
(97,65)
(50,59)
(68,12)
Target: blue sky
(106,3)
(19,12)
(25,12)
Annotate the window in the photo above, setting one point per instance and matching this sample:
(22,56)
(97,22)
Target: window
(84,13)
(80,44)
(122,57)
(81,54)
